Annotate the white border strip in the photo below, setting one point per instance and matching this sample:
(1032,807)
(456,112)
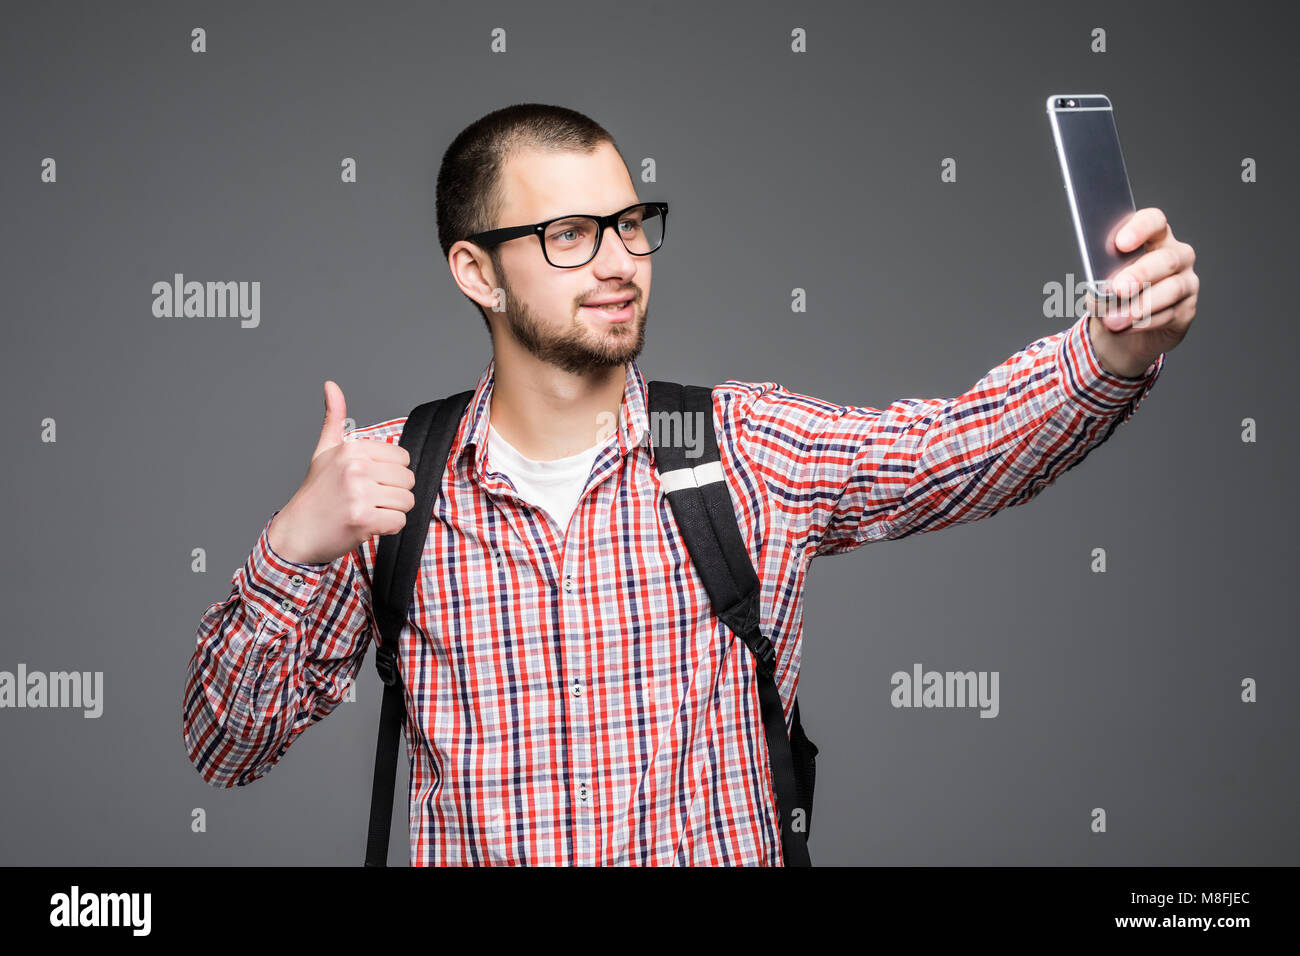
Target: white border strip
(680,478)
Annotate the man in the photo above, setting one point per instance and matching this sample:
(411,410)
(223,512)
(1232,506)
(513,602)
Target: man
(570,696)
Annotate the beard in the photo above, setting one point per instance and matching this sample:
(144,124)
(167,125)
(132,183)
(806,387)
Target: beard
(579,349)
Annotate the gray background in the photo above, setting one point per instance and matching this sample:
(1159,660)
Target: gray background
(1118,690)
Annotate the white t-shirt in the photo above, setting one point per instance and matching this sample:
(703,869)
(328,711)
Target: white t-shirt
(555,485)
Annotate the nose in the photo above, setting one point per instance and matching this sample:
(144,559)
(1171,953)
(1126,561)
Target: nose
(617,243)
(622,261)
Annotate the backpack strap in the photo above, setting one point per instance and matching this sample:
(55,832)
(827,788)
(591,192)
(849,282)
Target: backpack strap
(427,436)
(702,505)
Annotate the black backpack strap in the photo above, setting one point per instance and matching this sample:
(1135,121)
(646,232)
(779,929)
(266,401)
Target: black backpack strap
(702,505)
(427,436)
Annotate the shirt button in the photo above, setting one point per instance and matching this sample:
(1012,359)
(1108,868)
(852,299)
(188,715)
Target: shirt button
(577,688)
(568,583)
(286,604)
(583,792)
(297,579)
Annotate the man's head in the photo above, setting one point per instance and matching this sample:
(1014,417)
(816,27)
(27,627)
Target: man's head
(525,164)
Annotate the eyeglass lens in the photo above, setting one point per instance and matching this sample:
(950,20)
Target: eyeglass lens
(572,241)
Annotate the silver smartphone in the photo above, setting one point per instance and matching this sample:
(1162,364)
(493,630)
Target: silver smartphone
(1096,182)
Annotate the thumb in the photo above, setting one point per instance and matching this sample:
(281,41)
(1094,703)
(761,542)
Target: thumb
(336,409)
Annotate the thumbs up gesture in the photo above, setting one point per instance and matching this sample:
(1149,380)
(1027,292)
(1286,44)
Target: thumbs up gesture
(353,491)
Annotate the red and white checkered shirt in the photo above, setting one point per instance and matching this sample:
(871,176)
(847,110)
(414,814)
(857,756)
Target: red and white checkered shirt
(570,696)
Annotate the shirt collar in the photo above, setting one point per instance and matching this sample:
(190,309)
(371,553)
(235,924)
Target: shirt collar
(633,419)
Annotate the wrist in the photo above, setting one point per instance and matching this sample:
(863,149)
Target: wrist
(1102,340)
(280,538)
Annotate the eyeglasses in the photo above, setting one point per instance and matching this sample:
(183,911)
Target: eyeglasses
(572,241)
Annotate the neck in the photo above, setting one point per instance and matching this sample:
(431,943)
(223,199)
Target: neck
(548,413)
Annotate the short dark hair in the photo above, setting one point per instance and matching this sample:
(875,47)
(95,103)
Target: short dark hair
(468,193)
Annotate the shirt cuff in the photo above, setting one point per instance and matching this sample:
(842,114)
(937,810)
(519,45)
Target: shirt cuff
(1088,384)
(279,588)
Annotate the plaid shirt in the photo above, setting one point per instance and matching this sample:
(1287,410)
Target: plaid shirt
(570,696)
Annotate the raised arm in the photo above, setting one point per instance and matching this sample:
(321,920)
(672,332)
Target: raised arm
(843,476)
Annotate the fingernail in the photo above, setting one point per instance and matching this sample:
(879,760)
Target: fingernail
(1125,237)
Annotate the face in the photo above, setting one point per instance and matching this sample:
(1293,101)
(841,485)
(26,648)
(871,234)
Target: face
(544,305)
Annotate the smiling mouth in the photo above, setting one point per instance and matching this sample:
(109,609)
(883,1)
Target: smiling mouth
(617,312)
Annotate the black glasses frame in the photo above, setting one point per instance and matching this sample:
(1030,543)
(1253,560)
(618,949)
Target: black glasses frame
(496,236)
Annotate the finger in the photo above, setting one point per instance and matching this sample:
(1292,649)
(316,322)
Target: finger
(1153,298)
(384,521)
(391,473)
(392,521)
(1176,315)
(396,499)
(1143,226)
(376,449)
(336,410)
(1151,268)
